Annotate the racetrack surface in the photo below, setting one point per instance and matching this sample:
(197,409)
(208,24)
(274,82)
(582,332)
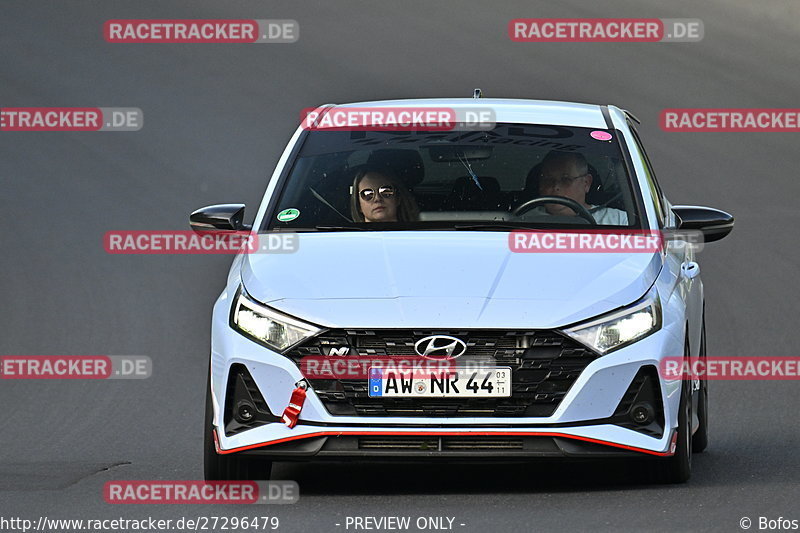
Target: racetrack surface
(217,118)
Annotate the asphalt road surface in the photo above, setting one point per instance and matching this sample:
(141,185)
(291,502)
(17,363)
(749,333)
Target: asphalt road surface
(216,119)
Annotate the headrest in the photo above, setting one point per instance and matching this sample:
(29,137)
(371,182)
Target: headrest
(407,164)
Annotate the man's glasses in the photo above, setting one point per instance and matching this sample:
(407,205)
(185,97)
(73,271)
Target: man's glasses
(368,195)
(563,182)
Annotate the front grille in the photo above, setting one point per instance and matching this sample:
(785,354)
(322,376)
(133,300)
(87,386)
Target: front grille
(398,443)
(439,444)
(544,365)
(481,443)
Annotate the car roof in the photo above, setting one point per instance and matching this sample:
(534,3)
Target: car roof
(510,110)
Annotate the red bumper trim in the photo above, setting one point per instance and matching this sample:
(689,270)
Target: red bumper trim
(438,434)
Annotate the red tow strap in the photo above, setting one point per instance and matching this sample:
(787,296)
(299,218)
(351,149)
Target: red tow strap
(292,411)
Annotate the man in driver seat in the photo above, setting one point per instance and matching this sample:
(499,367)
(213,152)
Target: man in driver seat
(567,174)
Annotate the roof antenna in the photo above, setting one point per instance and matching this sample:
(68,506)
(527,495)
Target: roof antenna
(477,93)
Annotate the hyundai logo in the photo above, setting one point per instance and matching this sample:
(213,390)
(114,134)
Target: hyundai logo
(440,346)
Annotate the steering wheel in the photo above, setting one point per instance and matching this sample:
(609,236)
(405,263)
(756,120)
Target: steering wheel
(569,202)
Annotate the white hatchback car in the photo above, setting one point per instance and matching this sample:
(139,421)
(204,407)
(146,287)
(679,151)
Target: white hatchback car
(403,252)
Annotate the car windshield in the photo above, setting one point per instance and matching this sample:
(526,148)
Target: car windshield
(511,176)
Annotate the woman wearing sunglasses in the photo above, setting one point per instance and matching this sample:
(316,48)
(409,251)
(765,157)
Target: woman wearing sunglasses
(380,196)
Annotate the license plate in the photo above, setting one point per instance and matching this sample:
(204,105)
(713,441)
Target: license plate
(456,383)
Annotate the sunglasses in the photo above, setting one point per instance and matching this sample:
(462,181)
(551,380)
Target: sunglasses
(368,195)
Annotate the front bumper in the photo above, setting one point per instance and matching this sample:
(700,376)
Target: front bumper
(435,444)
(579,426)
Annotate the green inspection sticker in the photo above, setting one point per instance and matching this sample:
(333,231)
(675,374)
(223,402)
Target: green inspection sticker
(287,215)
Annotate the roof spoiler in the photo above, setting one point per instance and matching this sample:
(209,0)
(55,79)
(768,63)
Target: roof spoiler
(631,116)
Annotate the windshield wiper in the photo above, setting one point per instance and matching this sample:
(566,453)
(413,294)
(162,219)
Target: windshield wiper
(319,197)
(340,228)
(493,227)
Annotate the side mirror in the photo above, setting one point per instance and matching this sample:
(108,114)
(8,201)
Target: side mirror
(713,223)
(222,217)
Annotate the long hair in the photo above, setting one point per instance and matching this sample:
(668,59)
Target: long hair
(407,209)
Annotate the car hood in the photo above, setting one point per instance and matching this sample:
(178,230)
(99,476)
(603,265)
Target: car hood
(442,279)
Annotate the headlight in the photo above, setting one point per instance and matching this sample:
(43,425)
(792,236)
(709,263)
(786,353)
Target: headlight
(621,328)
(267,326)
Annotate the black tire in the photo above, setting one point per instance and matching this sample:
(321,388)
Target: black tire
(229,467)
(700,438)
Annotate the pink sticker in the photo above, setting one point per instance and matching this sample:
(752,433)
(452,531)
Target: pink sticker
(601,135)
